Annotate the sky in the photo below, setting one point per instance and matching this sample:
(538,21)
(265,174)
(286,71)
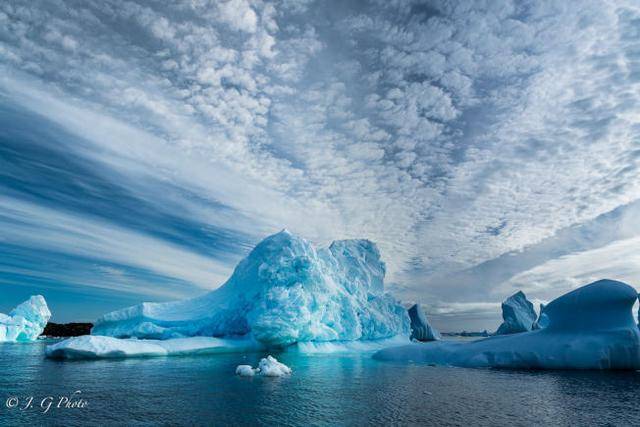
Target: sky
(485,146)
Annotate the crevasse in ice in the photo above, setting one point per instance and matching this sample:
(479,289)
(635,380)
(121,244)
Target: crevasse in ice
(25,322)
(285,291)
(591,327)
(542,321)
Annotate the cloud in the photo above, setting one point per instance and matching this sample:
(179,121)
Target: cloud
(36,227)
(453,133)
(239,15)
(617,261)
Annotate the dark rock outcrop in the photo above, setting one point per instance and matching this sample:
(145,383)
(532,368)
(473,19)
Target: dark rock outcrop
(67,329)
(484,333)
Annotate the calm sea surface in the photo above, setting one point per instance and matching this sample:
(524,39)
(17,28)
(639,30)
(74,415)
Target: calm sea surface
(324,390)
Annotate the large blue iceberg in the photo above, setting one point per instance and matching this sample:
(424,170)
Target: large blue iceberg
(284,292)
(591,327)
(25,322)
(518,315)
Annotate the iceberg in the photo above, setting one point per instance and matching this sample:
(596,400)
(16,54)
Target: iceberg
(25,322)
(518,315)
(268,367)
(284,292)
(421,330)
(591,327)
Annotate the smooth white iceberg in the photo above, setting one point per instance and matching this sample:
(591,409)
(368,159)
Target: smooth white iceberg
(421,330)
(25,322)
(284,292)
(592,327)
(518,315)
(268,367)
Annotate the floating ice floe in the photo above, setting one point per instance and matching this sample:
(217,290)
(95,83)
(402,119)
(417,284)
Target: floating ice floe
(101,347)
(25,322)
(268,367)
(421,330)
(592,327)
(518,315)
(284,292)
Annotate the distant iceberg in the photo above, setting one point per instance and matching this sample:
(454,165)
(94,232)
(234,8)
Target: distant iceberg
(518,315)
(25,322)
(284,292)
(421,330)
(592,327)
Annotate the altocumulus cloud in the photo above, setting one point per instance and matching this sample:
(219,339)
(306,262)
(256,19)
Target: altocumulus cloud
(465,138)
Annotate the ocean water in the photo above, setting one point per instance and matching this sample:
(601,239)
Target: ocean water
(348,389)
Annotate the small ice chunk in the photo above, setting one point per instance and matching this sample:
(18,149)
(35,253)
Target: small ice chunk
(245,371)
(270,367)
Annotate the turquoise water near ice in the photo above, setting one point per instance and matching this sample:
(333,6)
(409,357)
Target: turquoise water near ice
(348,389)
